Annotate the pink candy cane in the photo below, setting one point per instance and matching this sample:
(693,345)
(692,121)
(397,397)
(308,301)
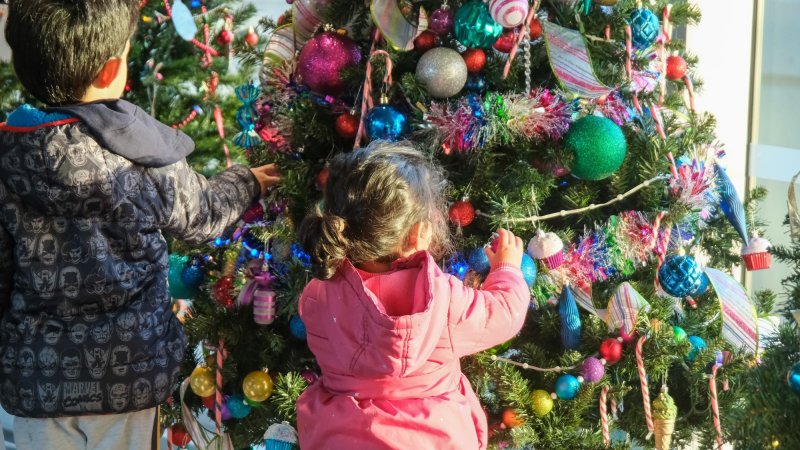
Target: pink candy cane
(712,386)
(604,415)
(218,392)
(520,38)
(648,415)
(367,103)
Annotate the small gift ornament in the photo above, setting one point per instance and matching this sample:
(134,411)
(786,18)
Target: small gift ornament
(547,247)
(664,414)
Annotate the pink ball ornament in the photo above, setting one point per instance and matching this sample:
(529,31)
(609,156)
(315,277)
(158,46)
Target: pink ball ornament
(509,13)
(593,370)
(441,21)
(627,338)
(323,59)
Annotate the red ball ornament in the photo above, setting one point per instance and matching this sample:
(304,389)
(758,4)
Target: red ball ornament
(426,41)
(611,350)
(222,291)
(251,38)
(347,125)
(225,37)
(322,178)
(506,41)
(462,213)
(178,436)
(676,67)
(536,29)
(208,402)
(254,213)
(475,59)
(510,419)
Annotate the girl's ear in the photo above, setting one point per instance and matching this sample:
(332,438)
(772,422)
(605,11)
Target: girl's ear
(419,237)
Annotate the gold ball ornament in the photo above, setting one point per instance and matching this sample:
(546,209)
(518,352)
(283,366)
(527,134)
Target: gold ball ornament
(541,402)
(775,443)
(202,381)
(257,386)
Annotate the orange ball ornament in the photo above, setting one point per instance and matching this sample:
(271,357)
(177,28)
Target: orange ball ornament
(475,58)
(510,419)
(676,67)
(251,38)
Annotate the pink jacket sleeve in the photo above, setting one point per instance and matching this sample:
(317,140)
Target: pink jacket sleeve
(483,318)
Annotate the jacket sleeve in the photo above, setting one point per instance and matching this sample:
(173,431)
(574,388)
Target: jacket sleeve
(201,209)
(483,318)
(6,269)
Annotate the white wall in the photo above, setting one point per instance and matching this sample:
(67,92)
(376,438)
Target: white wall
(5,52)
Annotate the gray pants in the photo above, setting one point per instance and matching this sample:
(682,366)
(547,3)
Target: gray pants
(131,431)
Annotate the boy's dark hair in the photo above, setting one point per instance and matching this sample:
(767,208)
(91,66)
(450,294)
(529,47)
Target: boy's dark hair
(59,46)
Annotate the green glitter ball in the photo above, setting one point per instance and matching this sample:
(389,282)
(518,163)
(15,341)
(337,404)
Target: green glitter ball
(599,147)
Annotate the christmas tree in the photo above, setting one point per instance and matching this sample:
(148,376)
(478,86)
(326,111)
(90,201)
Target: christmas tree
(768,419)
(570,123)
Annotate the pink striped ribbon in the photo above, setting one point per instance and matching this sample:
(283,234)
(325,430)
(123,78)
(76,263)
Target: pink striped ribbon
(648,415)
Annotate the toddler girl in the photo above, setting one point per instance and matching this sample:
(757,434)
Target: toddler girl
(386,324)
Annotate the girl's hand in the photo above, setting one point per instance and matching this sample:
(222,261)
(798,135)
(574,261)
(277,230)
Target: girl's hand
(508,250)
(267,176)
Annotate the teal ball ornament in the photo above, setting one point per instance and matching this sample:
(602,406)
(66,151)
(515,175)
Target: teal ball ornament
(644,27)
(238,407)
(598,145)
(567,387)
(298,328)
(793,377)
(680,276)
(698,345)
(528,268)
(177,289)
(193,276)
(386,123)
(474,26)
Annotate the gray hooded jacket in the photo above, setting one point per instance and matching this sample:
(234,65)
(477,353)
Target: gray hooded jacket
(85,193)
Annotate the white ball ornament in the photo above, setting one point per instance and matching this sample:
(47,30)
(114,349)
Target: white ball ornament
(509,13)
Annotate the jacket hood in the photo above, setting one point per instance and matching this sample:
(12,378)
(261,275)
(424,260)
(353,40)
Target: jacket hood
(43,154)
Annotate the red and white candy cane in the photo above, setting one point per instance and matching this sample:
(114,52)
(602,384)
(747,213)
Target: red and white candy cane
(196,111)
(663,39)
(367,103)
(221,131)
(218,392)
(604,416)
(712,386)
(648,415)
(520,38)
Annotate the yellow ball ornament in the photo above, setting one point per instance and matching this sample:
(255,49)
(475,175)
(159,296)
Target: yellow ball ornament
(257,386)
(775,443)
(202,381)
(541,402)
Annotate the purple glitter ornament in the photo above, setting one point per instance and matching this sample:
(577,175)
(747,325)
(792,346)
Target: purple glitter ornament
(226,413)
(322,60)
(593,370)
(441,21)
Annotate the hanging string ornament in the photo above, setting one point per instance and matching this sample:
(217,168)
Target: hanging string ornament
(247,116)
(570,320)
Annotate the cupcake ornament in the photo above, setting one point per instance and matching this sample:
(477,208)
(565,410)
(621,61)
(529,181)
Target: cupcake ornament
(280,436)
(548,248)
(756,253)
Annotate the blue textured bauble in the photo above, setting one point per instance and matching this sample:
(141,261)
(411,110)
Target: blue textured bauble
(297,328)
(193,276)
(567,387)
(570,320)
(528,268)
(474,26)
(698,345)
(386,123)
(478,261)
(793,377)
(644,27)
(238,408)
(599,147)
(680,275)
(731,204)
(476,83)
(177,289)
(702,288)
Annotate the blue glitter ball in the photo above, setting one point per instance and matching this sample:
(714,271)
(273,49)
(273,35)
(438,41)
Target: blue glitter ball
(567,387)
(386,123)
(528,268)
(476,83)
(193,276)
(457,266)
(478,261)
(297,328)
(644,27)
(680,275)
(698,345)
(238,408)
(793,377)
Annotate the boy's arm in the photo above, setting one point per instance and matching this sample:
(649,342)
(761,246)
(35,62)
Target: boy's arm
(6,269)
(202,208)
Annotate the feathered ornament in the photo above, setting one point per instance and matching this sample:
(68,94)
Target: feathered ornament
(570,320)
(731,204)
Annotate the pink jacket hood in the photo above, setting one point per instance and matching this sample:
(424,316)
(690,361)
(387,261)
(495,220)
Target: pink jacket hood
(395,338)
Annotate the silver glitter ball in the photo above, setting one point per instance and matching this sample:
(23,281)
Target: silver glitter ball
(442,72)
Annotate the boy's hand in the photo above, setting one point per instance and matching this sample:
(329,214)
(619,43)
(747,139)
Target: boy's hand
(267,176)
(508,250)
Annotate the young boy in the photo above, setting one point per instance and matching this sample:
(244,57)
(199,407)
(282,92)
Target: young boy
(88,343)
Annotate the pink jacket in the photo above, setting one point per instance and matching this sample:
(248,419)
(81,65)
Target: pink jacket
(389,346)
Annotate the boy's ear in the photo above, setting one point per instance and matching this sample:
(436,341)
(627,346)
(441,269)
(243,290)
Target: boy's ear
(108,73)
